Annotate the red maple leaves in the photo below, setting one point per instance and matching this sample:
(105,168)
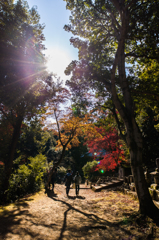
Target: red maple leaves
(106,149)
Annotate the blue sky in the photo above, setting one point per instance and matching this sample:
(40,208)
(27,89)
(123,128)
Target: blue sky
(59,52)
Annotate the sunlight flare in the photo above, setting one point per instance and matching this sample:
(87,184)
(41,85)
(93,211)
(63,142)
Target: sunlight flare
(57,61)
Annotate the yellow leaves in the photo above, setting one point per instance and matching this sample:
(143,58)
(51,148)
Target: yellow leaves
(74,127)
(66,140)
(75,142)
(58,148)
(47,107)
(70,130)
(48,113)
(91,132)
(68,127)
(42,119)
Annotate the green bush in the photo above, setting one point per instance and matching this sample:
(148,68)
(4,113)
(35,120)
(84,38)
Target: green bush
(37,167)
(27,178)
(88,169)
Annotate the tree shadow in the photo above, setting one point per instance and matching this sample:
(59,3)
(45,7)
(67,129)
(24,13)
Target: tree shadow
(88,222)
(10,219)
(21,203)
(50,193)
(95,222)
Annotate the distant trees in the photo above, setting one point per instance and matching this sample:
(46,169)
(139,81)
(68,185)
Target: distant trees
(67,127)
(116,33)
(79,155)
(33,140)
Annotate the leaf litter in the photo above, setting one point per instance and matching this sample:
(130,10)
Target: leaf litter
(92,215)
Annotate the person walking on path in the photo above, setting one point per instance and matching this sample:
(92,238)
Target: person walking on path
(77,180)
(53,178)
(68,179)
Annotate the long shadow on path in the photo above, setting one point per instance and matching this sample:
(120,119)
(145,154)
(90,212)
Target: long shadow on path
(10,222)
(92,222)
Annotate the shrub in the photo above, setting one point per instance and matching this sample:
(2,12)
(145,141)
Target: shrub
(88,169)
(27,178)
(61,173)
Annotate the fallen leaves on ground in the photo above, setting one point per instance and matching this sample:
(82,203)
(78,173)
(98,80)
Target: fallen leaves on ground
(92,215)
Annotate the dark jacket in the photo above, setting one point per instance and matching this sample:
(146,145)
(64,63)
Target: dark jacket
(68,179)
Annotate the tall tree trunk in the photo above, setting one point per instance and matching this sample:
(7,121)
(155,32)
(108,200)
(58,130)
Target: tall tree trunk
(146,205)
(133,134)
(9,160)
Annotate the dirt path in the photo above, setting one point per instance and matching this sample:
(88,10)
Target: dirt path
(98,216)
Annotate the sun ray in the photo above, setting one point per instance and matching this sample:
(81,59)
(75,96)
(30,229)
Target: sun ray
(27,77)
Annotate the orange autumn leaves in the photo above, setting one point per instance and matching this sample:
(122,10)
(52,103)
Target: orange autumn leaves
(68,128)
(100,141)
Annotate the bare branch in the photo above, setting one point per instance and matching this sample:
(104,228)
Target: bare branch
(58,127)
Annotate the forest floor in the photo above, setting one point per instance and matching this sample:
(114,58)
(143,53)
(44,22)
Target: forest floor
(92,215)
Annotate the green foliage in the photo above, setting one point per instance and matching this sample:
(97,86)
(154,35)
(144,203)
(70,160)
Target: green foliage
(146,93)
(33,139)
(100,25)
(37,167)
(21,59)
(150,137)
(27,178)
(79,156)
(50,151)
(88,169)
(61,172)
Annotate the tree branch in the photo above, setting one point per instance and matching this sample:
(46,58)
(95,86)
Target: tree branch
(123,136)
(58,127)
